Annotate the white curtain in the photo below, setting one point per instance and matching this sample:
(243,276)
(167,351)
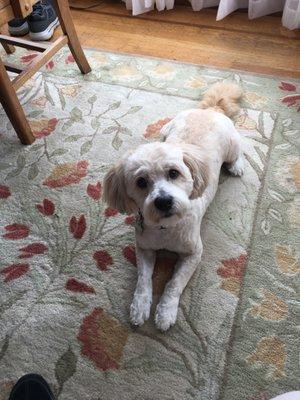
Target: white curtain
(256,8)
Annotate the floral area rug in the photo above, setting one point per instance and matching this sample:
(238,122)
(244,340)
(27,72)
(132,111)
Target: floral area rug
(67,262)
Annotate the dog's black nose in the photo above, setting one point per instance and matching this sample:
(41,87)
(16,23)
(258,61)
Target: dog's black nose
(164,203)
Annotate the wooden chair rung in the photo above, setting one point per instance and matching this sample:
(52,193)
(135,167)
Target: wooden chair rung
(13,67)
(8,48)
(39,61)
(10,9)
(27,44)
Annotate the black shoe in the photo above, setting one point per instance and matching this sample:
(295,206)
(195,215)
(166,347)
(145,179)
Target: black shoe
(31,387)
(42,21)
(18,27)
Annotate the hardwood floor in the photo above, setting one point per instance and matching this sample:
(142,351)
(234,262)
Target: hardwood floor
(260,45)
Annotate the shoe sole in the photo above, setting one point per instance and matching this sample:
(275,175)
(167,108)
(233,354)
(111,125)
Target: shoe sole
(35,378)
(21,30)
(46,34)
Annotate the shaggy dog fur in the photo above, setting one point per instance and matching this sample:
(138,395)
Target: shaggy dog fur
(169,185)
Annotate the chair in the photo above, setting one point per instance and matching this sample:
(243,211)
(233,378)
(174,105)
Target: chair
(10,9)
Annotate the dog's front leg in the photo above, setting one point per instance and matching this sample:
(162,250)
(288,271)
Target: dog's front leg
(166,311)
(140,307)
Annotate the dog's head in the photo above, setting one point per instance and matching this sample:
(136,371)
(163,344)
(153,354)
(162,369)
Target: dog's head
(159,179)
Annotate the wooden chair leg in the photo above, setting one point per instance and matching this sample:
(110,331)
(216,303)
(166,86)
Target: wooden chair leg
(8,48)
(13,108)
(67,26)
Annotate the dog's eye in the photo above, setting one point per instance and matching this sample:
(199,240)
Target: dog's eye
(173,174)
(142,183)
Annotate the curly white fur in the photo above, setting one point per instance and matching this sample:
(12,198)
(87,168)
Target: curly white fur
(197,143)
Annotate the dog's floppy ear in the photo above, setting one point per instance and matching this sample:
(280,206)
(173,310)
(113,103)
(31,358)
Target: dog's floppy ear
(198,169)
(114,191)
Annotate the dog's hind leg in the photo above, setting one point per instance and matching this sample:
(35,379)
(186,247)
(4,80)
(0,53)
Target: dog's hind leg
(235,163)
(237,167)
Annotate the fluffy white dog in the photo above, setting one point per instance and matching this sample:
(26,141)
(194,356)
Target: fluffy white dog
(169,187)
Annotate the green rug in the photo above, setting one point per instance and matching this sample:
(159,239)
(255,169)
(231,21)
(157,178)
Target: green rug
(67,263)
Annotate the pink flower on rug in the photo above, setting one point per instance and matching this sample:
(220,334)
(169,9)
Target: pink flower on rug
(234,267)
(67,174)
(4,192)
(14,271)
(77,226)
(50,65)
(43,127)
(94,191)
(290,87)
(32,249)
(261,396)
(16,231)
(6,388)
(129,254)
(28,57)
(74,285)
(110,212)
(162,273)
(102,339)
(232,272)
(130,220)
(103,259)
(153,130)
(70,59)
(47,208)
(291,99)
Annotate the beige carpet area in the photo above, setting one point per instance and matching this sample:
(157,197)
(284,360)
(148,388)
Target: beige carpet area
(67,262)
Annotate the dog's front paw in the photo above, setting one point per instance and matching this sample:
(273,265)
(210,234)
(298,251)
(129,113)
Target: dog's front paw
(165,316)
(140,309)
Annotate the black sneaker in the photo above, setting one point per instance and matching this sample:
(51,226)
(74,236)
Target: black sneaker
(31,387)
(18,27)
(42,21)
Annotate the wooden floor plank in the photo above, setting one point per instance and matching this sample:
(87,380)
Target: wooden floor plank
(198,44)
(237,22)
(261,45)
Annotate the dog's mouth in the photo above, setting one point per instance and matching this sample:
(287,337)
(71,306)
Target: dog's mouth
(168,214)
(153,216)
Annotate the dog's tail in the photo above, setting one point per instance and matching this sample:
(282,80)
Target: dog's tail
(223,97)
